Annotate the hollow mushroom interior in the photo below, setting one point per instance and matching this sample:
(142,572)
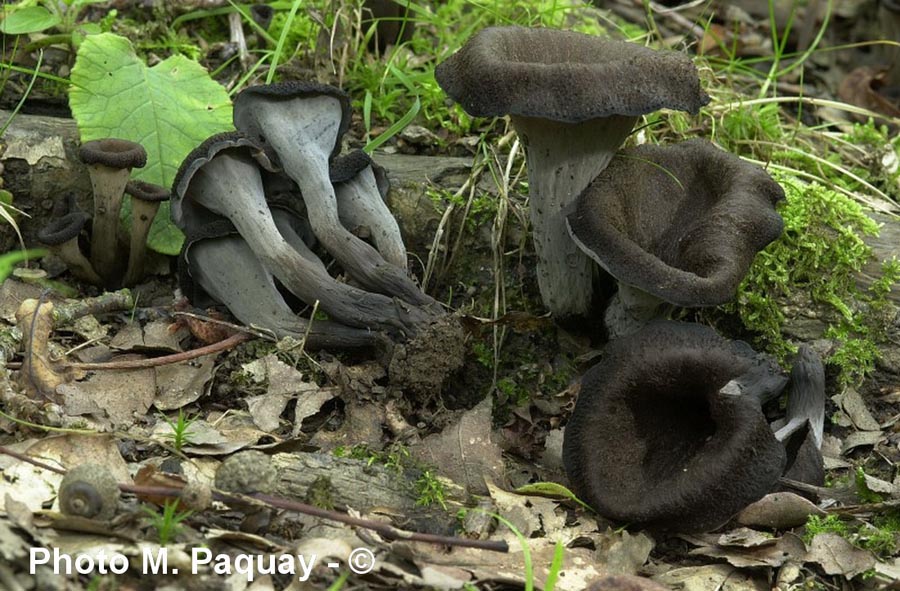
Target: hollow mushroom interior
(679,224)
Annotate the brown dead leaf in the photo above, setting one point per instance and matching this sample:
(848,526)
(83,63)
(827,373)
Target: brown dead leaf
(112,397)
(853,404)
(713,577)
(837,556)
(779,510)
(179,384)
(861,88)
(861,439)
(465,451)
(12,294)
(774,553)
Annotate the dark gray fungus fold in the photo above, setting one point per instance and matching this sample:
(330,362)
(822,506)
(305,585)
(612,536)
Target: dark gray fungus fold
(657,439)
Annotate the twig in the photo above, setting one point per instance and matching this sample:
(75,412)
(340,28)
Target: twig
(384,529)
(223,345)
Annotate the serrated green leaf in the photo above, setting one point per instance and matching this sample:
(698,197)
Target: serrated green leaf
(169,109)
(30,19)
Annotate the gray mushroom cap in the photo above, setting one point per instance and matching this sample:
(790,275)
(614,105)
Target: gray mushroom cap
(61,235)
(573,99)
(302,123)
(221,178)
(680,222)
(656,440)
(566,76)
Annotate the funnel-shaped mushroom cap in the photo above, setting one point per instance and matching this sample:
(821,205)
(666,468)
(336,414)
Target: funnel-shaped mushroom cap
(249,100)
(656,439)
(566,76)
(681,222)
(114,153)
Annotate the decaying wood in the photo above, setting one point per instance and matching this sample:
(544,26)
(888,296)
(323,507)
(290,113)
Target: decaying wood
(353,483)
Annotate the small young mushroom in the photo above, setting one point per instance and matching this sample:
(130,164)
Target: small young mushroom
(145,200)
(109,162)
(360,186)
(804,424)
(658,439)
(303,124)
(217,266)
(90,491)
(221,178)
(573,98)
(61,236)
(678,224)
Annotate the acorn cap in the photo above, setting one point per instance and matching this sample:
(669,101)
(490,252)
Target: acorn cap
(566,76)
(114,153)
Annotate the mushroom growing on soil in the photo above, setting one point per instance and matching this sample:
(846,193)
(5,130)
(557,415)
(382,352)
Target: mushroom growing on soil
(217,266)
(302,123)
(109,162)
(221,178)
(658,437)
(802,430)
(360,186)
(573,98)
(145,200)
(678,224)
(61,236)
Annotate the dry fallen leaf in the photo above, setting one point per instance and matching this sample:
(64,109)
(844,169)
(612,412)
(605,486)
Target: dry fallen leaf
(465,450)
(837,556)
(780,510)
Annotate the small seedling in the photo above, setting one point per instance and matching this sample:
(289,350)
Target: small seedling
(181,429)
(430,490)
(168,523)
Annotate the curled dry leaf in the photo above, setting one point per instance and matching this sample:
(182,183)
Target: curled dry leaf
(39,376)
(779,510)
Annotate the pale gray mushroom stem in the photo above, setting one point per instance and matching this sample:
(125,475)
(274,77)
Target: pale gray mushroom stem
(228,183)
(361,205)
(303,132)
(145,201)
(251,294)
(630,308)
(562,160)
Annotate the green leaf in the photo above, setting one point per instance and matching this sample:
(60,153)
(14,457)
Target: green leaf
(31,19)
(169,109)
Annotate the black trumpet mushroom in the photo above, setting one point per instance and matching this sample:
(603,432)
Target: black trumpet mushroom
(109,162)
(802,429)
(663,435)
(573,99)
(302,123)
(221,178)
(679,224)
(61,237)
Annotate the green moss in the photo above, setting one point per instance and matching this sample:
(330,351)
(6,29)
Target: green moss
(829,524)
(430,490)
(814,264)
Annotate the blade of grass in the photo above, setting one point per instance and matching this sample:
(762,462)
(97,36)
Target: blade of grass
(394,129)
(279,48)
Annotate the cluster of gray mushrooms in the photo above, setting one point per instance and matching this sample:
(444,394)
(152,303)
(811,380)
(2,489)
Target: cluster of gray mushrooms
(668,430)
